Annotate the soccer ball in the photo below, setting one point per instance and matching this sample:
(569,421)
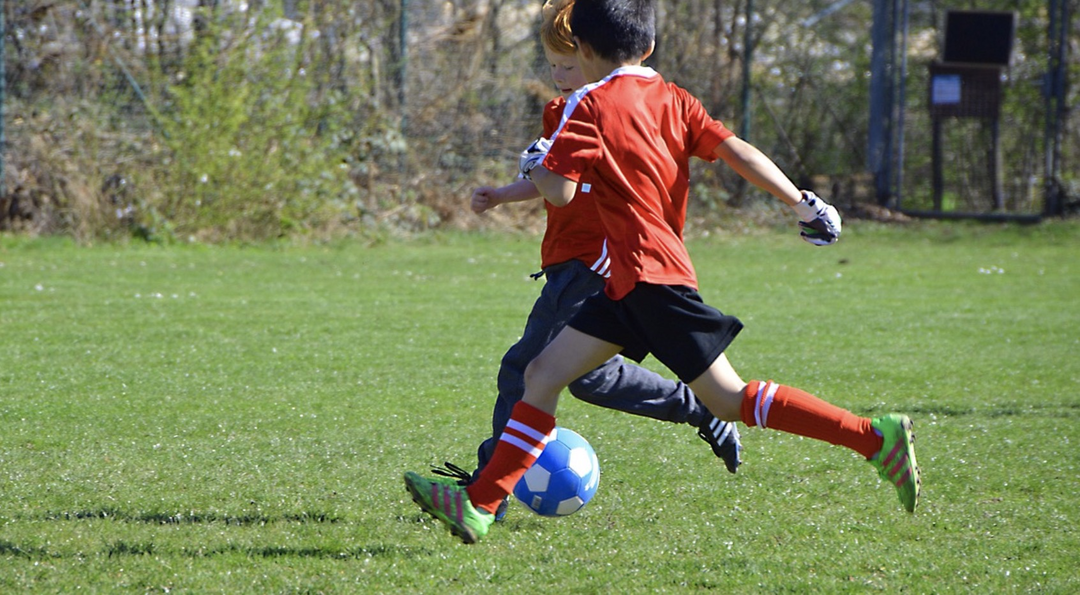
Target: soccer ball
(563,479)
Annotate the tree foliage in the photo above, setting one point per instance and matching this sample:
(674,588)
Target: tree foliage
(217,119)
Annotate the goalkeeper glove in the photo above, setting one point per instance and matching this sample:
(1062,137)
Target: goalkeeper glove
(532,156)
(820,223)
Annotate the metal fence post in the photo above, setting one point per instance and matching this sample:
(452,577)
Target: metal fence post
(748,58)
(1054,95)
(3,82)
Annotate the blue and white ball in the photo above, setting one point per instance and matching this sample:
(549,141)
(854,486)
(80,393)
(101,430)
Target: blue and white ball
(563,479)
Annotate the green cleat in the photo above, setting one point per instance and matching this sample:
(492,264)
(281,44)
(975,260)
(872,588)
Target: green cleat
(454,474)
(447,501)
(896,461)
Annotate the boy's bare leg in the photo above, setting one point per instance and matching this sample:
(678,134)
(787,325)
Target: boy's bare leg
(568,357)
(780,407)
(887,442)
(721,389)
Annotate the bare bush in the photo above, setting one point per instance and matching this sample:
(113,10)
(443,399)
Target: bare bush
(179,119)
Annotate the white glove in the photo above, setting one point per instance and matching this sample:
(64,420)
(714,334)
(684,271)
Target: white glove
(820,223)
(533,156)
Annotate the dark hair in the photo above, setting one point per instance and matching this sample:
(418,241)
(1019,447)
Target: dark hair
(617,30)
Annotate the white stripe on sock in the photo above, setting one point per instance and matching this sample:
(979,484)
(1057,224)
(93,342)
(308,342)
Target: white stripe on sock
(525,446)
(757,405)
(527,430)
(767,402)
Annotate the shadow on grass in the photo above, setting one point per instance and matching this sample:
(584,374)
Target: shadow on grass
(990,410)
(8,549)
(279,551)
(122,548)
(190,518)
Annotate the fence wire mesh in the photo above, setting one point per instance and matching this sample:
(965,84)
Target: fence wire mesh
(209,119)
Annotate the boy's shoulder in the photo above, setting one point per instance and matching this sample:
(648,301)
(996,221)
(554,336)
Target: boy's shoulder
(622,84)
(555,104)
(552,114)
(626,87)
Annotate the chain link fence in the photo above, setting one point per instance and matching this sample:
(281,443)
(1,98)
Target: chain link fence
(998,153)
(214,119)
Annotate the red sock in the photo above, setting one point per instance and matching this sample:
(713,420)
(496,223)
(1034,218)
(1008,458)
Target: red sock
(519,446)
(788,409)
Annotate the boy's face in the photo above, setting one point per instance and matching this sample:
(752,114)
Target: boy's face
(565,72)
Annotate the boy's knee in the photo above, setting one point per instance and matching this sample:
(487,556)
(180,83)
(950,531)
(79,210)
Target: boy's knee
(541,375)
(534,372)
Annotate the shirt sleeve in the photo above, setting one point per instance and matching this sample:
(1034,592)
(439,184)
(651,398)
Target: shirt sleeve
(706,133)
(577,146)
(552,115)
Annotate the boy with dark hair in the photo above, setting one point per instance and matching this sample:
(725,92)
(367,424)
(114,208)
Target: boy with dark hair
(574,260)
(633,135)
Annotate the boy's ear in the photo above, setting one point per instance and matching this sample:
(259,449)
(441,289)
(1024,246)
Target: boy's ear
(583,48)
(652,46)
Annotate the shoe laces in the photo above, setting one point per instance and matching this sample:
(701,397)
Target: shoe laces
(452,471)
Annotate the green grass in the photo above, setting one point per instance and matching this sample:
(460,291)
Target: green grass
(237,420)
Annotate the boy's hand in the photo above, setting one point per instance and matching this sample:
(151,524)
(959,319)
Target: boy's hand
(532,156)
(820,221)
(483,198)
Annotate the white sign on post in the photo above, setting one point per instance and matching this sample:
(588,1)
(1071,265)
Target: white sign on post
(945,89)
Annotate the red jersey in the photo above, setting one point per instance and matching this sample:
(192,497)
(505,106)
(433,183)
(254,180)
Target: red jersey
(632,136)
(573,232)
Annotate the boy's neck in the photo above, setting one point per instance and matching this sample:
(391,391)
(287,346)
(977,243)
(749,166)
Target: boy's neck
(599,69)
(595,68)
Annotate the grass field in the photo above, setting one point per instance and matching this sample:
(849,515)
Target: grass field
(237,420)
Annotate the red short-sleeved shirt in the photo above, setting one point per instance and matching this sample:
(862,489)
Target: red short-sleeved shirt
(573,232)
(631,135)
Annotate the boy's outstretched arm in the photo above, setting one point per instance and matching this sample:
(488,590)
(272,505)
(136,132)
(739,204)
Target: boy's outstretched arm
(820,223)
(753,165)
(487,197)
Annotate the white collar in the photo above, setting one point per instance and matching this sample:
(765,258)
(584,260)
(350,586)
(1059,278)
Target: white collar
(575,98)
(642,71)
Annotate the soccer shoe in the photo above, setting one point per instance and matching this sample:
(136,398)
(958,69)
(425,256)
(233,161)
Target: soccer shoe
(463,478)
(896,461)
(448,502)
(723,437)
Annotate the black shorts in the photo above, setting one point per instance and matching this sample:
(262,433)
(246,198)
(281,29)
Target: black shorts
(670,322)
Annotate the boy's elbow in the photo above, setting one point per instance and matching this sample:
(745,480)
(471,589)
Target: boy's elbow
(557,190)
(559,199)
